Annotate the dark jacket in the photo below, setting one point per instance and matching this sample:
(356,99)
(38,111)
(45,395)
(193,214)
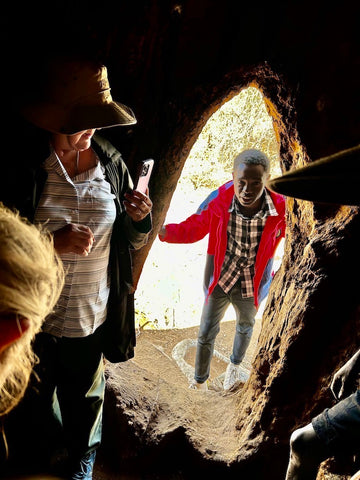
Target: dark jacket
(23,185)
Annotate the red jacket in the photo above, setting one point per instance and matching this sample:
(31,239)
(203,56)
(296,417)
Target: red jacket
(212,218)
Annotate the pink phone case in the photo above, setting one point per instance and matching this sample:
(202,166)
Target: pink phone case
(144,175)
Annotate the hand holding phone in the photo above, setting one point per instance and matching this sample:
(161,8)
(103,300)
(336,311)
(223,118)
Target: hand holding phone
(145,170)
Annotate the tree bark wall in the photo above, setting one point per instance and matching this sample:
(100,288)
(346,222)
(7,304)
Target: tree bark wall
(175,63)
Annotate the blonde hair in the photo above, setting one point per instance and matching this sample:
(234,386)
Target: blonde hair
(31,280)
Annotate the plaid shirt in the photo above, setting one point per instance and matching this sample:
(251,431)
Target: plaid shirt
(244,235)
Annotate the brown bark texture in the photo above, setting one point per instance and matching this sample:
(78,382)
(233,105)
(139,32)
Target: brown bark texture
(175,63)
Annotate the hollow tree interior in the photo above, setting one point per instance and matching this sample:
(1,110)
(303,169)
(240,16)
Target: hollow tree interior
(175,63)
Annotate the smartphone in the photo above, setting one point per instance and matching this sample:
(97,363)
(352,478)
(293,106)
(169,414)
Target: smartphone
(145,170)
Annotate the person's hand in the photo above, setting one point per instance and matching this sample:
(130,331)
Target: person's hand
(74,238)
(162,232)
(137,205)
(344,380)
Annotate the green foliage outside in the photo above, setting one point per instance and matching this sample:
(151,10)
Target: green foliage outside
(241,123)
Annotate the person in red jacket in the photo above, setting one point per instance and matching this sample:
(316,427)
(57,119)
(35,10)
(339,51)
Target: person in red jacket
(245,223)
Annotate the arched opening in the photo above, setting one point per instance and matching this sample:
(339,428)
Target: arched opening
(169,293)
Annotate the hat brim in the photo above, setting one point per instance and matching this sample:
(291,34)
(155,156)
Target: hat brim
(333,179)
(56,119)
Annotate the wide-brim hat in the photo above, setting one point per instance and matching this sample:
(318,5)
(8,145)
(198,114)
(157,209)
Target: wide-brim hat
(333,179)
(75,97)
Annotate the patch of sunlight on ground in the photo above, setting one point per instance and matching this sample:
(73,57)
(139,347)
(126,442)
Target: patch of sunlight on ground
(169,293)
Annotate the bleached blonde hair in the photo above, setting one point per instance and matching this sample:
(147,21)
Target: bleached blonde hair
(31,280)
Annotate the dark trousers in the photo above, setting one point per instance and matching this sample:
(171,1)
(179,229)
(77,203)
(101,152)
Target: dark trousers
(71,389)
(63,405)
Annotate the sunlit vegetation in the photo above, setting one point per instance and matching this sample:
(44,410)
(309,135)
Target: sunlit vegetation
(169,293)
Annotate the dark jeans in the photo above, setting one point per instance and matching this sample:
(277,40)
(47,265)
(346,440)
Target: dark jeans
(338,427)
(72,388)
(213,312)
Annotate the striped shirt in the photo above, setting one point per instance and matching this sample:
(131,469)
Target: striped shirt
(85,199)
(244,235)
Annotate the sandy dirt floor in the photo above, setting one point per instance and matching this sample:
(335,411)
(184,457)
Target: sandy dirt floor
(160,374)
(155,396)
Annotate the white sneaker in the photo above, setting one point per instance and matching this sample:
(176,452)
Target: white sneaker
(194,385)
(231,375)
